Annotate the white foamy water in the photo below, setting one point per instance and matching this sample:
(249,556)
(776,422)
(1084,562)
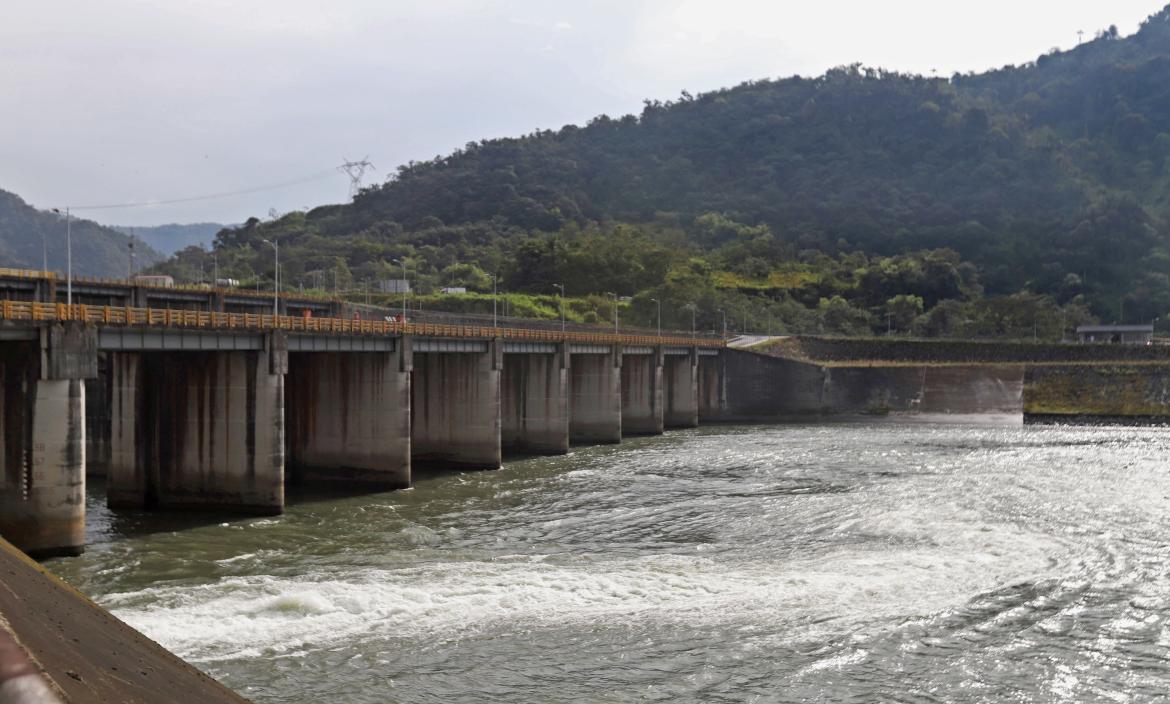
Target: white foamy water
(932,563)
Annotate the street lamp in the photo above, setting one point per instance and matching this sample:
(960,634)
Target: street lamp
(495,300)
(724,322)
(68,256)
(694,309)
(561,288)
(659,303)
(275,244)
(403,263)
(615,311)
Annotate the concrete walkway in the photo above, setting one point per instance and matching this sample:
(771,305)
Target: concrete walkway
(83,652)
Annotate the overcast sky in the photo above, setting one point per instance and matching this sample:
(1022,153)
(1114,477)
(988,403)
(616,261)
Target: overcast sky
(122,101)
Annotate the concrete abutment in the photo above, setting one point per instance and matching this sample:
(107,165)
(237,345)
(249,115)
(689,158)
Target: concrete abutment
(42,505)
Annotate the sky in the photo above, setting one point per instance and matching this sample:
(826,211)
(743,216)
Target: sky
(136,101)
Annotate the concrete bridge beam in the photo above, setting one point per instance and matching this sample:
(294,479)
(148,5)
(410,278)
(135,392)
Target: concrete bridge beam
(455,407)
(534,403)
(642,407)
(198,429)
(595,397)
(348,418)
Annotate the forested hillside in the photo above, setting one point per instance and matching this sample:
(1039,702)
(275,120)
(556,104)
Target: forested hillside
(1014,203)
(28,235)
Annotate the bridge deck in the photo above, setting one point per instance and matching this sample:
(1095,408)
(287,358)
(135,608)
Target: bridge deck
(116,316)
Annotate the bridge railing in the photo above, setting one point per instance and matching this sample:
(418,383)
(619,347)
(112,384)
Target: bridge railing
(190,319)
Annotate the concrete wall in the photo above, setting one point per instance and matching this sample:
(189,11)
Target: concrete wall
(347,417)
(42,505)
(642,393)
(455,408)
(196,429)
(712,387)
(595,398)
(1098,393)
(760,388)
(534,403)
(680,375)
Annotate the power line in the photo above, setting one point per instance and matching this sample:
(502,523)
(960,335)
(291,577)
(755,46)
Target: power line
(211,196)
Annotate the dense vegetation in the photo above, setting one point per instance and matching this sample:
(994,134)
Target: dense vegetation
(28,236)
(1013,203)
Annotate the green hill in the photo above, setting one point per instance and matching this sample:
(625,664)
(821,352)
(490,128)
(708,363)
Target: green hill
(1014,202)
(28,235)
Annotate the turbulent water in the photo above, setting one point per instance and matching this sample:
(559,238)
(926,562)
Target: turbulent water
(769,564)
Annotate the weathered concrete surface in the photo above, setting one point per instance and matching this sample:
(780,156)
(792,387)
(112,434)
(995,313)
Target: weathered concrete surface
(197,430)
(534,403)
(761,388)
(347,416)
(595,398)
(42,506)
(680,375)
(86,654)
(1102,393)
(712,387)
(642,394)
(455,408)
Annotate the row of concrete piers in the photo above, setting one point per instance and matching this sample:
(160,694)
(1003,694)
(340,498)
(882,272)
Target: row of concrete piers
(213,421)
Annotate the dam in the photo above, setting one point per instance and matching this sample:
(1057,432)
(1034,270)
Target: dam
(230,414)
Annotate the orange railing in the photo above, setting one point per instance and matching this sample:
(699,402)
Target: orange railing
(153,317)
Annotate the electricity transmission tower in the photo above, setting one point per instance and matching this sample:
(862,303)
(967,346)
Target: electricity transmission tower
(355,170)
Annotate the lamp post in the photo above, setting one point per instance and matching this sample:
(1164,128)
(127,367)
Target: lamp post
(275,244)
(495,300)
(68,256)
(561,288)
(659,304)
(615,312)
(724,322)
(403,263)
(694,309)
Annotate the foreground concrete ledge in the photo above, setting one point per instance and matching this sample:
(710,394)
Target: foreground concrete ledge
(83,653)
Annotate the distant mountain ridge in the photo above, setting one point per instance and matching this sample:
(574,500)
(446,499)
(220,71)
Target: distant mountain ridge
(172,237)
(28,236)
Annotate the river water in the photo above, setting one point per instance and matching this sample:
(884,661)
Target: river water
(848,563)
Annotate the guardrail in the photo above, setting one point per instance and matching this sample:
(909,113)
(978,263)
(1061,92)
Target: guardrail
(189,319)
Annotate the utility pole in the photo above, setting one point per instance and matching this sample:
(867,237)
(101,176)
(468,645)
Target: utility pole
(561,288)
(659,304)
(68,256)
(495,300)
(130,275)
(403,285)
(275,244)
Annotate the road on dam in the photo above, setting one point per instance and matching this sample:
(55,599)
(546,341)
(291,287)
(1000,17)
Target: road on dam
(862,562)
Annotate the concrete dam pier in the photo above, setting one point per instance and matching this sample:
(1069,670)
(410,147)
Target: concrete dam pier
(201,411)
